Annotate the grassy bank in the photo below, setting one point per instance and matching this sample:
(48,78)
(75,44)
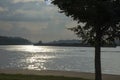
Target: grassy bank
(34,77)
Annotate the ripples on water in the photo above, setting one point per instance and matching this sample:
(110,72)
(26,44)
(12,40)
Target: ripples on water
(58,58)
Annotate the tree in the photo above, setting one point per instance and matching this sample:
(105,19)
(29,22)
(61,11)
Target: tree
(101,20)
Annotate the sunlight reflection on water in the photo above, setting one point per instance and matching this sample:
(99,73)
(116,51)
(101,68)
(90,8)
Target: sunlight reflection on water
(35,61)
(31,48)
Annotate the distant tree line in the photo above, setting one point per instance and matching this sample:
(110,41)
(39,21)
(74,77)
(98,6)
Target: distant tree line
(13,41)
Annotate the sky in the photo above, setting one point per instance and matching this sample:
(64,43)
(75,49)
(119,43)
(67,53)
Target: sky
(34,20)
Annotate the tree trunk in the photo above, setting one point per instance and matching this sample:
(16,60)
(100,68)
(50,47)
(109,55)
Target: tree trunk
(98,73)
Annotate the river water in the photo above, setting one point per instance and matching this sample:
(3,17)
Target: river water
(80,59)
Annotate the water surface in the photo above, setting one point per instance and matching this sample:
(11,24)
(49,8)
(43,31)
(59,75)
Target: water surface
(79,59)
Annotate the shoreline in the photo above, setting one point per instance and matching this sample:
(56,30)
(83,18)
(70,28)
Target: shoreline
(59,73)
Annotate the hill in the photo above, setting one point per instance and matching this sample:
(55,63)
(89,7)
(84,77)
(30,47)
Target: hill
(13,41)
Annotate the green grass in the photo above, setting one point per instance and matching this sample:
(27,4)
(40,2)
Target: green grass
(34,77)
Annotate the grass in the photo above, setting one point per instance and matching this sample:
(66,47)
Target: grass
(34,77)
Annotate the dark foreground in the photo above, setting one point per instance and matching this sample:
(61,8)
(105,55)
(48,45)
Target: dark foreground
(50,75)
(34,77)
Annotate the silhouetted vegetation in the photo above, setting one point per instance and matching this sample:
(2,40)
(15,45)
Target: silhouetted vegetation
(68,43)
(34,77)
(13,41)
(101,19)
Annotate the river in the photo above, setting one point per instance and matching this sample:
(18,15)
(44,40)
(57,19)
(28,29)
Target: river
(80,59)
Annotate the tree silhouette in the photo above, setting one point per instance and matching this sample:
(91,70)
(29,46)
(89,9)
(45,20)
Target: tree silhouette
(101,20)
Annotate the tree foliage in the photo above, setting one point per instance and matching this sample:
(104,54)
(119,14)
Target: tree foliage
(102,23)
(103,14)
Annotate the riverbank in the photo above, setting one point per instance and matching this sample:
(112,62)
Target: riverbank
(60,73)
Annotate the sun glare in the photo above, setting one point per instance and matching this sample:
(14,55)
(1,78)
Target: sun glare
(38,57)
(32,48)
(35,49)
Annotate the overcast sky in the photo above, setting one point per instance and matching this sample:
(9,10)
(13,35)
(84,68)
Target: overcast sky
(34,20)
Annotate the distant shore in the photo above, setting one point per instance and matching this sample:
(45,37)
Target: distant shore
(59,73)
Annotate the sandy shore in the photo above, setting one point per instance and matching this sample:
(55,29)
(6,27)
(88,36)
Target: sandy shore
(60,73)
